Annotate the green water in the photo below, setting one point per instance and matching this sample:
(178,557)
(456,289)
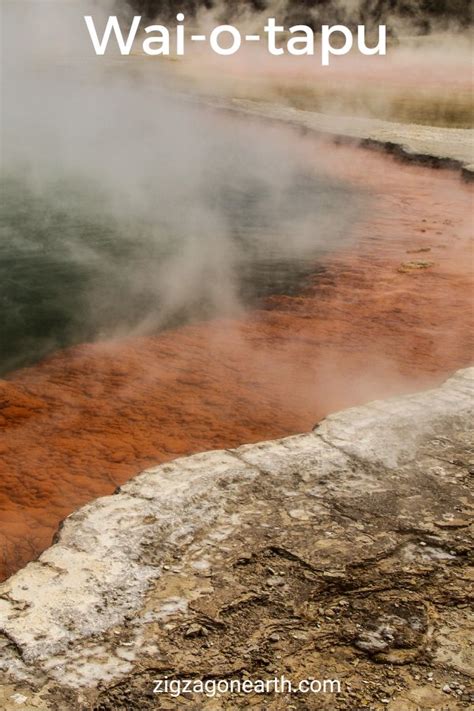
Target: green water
(72,272)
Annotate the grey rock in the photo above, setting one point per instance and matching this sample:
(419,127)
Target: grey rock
(77,624)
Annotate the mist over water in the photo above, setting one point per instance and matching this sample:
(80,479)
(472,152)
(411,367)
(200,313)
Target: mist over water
(127,209)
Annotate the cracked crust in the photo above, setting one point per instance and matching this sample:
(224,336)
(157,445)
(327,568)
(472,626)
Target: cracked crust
(342,553)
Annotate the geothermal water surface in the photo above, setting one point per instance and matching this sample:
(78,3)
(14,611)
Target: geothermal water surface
(244,218)
(381,307)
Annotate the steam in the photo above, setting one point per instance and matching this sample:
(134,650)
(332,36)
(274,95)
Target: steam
(423,79)
(137,208)
(130,208)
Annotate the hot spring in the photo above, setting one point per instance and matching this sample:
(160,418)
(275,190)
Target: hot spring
(174,278)
(201,226)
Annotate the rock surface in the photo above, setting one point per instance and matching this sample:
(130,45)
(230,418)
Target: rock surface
(340,554)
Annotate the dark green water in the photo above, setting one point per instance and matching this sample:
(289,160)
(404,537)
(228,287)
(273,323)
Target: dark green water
(71,271)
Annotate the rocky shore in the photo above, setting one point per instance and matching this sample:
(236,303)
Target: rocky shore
(433,146)
(341,553)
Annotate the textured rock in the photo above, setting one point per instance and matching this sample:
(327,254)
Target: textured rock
(325,551)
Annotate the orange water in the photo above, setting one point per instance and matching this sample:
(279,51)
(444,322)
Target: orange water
(86,419)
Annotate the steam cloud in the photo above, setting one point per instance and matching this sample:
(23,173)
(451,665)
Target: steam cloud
(128,208)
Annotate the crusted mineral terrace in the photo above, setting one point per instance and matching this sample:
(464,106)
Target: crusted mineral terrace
(340,553)
(426,145)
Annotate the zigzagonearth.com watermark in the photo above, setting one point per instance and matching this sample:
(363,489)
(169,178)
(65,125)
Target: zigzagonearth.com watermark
(276,685)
